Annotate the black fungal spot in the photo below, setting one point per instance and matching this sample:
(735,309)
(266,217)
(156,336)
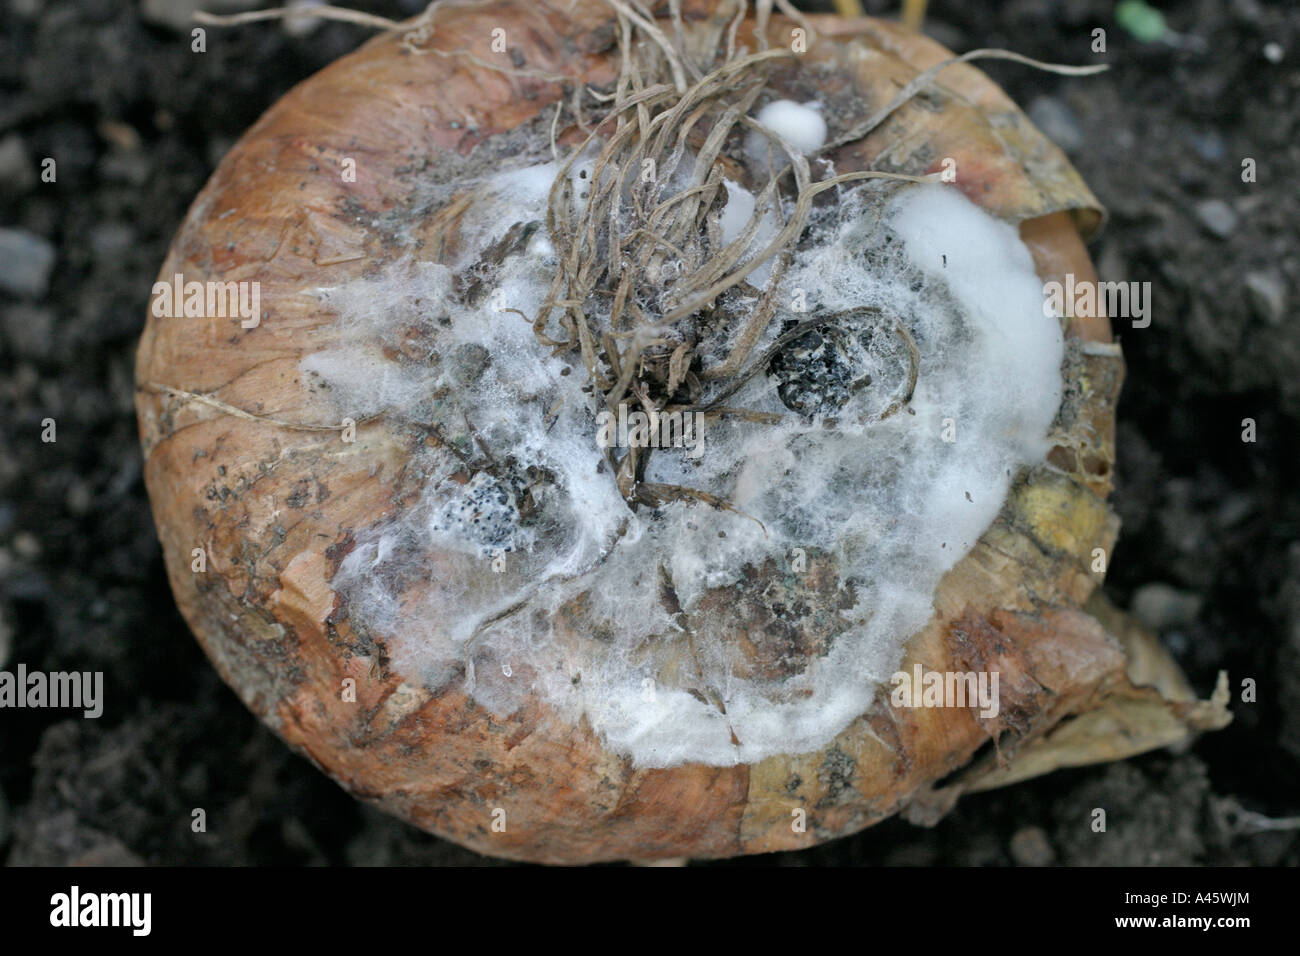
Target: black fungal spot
(820,371)
(484,513)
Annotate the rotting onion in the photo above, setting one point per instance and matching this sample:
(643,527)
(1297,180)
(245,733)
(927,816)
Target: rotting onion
(387,516)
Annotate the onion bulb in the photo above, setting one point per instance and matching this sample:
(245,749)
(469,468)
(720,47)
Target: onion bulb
(644,437)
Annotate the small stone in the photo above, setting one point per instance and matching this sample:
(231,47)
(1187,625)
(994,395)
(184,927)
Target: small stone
(1029,847)
(1247,11)
(1217,216)
(79,499)
(1267,294)
(16,172)
(1209,145)
(26,261)
(1160,606)
(28,330)
(109,239)
(133,167)
(1057,121)
(26,546)
(118,134)
(1236,507)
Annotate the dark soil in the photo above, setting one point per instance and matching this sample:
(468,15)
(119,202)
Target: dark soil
(137,121)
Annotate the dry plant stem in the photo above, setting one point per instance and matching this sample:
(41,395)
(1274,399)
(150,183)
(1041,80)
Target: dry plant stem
(418,29)
(786,236)
(639,230)
(420,25)
(794,13)
(323,12)
(913,14)
(670,51)
(693,198)
(228,409)
(922,80)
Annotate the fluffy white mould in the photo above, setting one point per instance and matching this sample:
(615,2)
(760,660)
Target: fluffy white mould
(468,583)
(799,124)
(737,212)
(735,219)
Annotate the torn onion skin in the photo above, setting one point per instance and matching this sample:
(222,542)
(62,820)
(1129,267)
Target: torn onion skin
(1058,251)
(276,510)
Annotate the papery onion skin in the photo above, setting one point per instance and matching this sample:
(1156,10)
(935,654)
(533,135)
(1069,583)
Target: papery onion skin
(276,510)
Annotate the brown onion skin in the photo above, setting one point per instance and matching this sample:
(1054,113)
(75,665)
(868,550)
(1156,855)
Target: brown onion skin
(276,510)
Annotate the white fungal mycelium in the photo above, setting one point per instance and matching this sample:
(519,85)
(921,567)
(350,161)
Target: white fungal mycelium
(799,124)
(472,581)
